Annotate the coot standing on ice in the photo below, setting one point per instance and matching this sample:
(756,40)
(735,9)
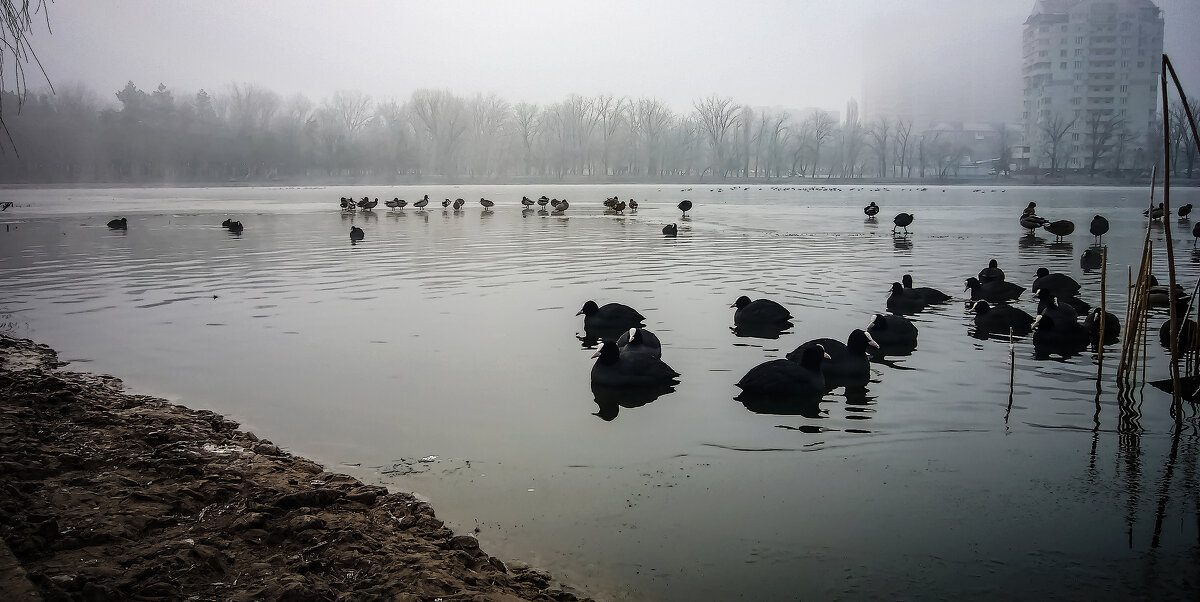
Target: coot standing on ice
(902,220)
(685,206)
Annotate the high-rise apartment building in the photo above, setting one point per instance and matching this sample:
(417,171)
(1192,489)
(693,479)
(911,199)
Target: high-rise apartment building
(1091,80)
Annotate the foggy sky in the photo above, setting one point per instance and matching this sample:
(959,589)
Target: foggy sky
(789,53)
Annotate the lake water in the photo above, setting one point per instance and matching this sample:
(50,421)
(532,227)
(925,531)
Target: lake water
(454,335)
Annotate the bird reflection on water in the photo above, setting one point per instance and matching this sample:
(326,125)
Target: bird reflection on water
(611,399)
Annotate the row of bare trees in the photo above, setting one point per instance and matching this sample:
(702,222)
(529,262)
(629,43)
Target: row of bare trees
(1098,142)
(247,132)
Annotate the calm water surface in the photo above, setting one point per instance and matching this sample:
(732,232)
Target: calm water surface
(454,335)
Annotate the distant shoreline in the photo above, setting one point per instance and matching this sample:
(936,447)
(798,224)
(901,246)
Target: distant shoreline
(1017,180)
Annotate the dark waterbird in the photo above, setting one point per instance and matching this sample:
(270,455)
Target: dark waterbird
(902,220)
(1060,228)
(1159,295)
(904,300)
(1090,260)
(1048,304)
(232,226)
(610,317)
(612,369)
(1112,326)
(486,203)
(1058,335)
(1184,210)
(1155,212)
(639,340)
(848,364)
(1195,233)
(996,290)
(999,318)
(356,234)
(930,295)
(1033,222)
(395,203)
(871,210)
(670,230)
(992,273)
(786,379)
(761,311)
(118,224)
(1060,284)
(421,204)
(562,205)
(1030,209)
(1098,228)
(896,335)
(1188,329)
(685,206)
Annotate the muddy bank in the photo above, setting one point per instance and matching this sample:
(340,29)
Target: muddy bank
(110,496)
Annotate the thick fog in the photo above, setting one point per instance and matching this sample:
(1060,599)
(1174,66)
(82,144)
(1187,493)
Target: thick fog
(764,53)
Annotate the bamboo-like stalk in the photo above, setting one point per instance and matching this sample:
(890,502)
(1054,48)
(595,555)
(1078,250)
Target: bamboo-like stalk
(1176,398)
(1103,313)
(1135,316)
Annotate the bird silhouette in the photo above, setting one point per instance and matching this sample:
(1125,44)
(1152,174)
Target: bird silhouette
(1098,228)
(356,234)
(685,206)
(902,220)
(1060,228)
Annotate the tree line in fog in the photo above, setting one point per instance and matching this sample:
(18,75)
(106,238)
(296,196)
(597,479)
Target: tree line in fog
(250,133)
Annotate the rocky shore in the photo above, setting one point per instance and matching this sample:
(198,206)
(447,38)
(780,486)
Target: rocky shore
(106,495)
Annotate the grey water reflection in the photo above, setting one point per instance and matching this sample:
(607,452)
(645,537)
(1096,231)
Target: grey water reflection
(454,334)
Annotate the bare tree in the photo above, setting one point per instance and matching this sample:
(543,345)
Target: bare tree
(441,117)
(821,125)
(612,115)
(900,149)
(1054,130)
(716,115)
(879,131)
(527,121)
(1101,131)
(16,27)
(489,114)
(651,118)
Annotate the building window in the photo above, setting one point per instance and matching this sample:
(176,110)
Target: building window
(1062,53)
(1042,53)
(1124,100)
(1141,64)
(1124,88)
(1062,65)
(1079,40)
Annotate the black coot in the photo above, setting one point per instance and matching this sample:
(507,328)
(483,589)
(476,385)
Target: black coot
(670,230)
(639,340)
(999,318)
(1060,284)
(902,220)
(1060,228)
(786,378)
(1098,228)
(612,369)
(610,317)
(904,300)
(118,224)
(356,234)
(893,333)
(685,206)
(931,295)
(997,290)
(761,311)
(848,364)
(1112,326)
(992,273)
